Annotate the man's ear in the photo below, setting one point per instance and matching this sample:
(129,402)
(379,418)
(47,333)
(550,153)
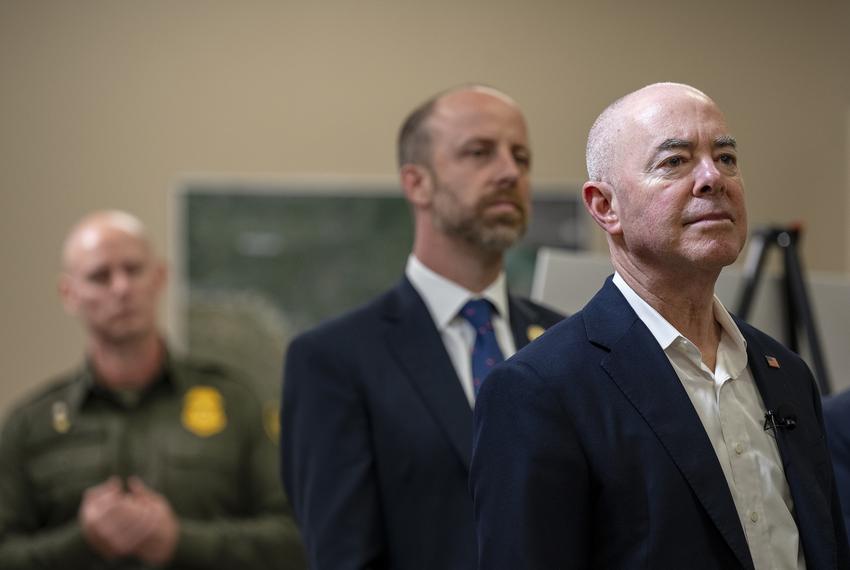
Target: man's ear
(161,275)
(417,183)
(601,204)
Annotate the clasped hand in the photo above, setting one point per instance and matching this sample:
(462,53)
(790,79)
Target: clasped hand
(138,522)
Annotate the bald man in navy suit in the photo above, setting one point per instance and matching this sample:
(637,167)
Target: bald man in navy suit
(652,429)
(377,407)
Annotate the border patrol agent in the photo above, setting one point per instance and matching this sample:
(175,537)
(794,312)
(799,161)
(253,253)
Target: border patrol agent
(138,459)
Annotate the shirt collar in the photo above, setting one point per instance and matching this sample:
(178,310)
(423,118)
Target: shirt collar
(732,353)
(665,333)
(87,388)
(445,298)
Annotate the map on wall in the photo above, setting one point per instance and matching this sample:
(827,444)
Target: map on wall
(259,263)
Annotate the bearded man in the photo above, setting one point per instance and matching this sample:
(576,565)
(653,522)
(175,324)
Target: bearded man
(377,405)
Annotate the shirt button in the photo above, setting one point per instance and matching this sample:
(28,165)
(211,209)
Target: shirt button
(754,516)
(739,449)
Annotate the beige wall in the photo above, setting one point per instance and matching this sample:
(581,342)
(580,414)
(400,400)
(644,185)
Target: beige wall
(107,104)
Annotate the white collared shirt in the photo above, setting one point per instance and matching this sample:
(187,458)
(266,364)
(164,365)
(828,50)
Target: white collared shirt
(444,299)
(732,412)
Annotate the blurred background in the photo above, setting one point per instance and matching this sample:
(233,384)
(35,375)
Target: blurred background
(117,104)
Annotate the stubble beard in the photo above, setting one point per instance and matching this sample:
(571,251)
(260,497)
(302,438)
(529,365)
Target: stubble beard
(491,234)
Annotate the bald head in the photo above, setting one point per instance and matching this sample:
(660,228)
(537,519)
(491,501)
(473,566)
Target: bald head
(415,136)
(111,278)
(665,184)
(90,230)
(604,137)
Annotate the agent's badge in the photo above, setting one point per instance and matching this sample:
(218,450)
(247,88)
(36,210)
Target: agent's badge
(61,421)
(203,411)
(534,331)
(271,420)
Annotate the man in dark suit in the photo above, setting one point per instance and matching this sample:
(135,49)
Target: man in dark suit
(377,407)
(651,429)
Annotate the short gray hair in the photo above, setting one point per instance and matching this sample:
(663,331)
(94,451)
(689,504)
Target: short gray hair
(602,138)
(414,138)
(600,143)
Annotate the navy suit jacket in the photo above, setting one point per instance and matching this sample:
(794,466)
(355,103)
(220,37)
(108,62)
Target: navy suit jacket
(376,436)
(836,416)
(589,454)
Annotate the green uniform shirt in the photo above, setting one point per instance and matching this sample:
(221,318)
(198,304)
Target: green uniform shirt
(196,436)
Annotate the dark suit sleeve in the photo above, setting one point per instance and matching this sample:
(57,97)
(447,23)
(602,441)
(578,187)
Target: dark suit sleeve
(327,457)
(836,417)
(529,477)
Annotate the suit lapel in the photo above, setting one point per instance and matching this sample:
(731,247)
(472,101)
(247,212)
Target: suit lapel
(804,462)
(774,386)
(641,370)
(418,347)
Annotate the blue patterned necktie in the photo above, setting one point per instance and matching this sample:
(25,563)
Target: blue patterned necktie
(486,353)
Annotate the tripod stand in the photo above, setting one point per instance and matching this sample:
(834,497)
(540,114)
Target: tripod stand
(798,311)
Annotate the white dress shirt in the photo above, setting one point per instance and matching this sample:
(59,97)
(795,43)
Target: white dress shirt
(444,299)
(732,412)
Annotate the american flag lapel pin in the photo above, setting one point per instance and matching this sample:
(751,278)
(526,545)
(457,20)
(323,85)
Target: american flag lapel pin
(771,361)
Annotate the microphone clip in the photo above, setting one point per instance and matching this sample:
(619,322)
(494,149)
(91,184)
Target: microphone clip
(775,420)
